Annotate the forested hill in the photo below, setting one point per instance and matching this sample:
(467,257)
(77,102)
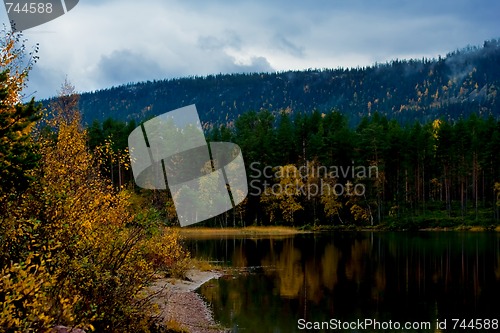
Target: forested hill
(462,82)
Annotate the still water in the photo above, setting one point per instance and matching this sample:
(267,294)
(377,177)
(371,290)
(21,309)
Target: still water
(408,278)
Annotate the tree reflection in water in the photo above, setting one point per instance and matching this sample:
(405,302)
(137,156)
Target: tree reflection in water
(350,276)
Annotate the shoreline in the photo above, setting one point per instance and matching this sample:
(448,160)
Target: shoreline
(382,228)
(263,231)
(205,232)
(180,307)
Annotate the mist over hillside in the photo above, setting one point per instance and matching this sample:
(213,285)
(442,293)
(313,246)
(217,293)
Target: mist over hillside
(463,82)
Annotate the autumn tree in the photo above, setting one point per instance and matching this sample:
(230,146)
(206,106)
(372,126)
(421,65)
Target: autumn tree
(330,199)
(25,279)
(105,254)
(497,191)
(282,197)
(110,140)
(72,251)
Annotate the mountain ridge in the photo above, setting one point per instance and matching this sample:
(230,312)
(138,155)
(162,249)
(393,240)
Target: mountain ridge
(463,82)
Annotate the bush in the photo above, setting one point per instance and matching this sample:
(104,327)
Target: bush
(73,252)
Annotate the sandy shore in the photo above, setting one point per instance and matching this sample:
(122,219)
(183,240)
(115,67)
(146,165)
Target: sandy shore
(179,303)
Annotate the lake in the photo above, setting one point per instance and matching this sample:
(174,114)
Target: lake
(361,281)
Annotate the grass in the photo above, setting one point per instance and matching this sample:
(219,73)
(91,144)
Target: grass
(432,220)
(247,231)
(173,326)
(203,265)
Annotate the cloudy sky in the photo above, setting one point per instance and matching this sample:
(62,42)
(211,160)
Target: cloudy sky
(104,43)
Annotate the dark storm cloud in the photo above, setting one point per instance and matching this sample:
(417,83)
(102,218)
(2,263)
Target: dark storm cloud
(284,44)
(127,66)
(256,64)
(226,39)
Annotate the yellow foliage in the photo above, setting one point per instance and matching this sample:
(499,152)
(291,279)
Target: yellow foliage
(330,200)
(27,304)
(165,253)
(497,191)
(283,195)
(436,125)
(93,255)
(174,326)
(360,214)
(11,58)
(72,250)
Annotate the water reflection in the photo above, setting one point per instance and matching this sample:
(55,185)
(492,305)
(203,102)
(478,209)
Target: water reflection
(349,276)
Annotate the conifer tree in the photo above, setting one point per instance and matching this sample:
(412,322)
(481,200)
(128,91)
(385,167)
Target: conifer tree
(17,150)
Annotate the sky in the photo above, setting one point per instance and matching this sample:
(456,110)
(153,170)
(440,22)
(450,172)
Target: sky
(105,43)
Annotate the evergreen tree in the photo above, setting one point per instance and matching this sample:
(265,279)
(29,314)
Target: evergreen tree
(17,150)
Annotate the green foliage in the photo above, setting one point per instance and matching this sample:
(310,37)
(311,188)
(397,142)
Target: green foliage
(429,125)
(441,167)
(17,149)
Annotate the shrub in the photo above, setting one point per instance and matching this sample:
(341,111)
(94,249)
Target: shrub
(73,251)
